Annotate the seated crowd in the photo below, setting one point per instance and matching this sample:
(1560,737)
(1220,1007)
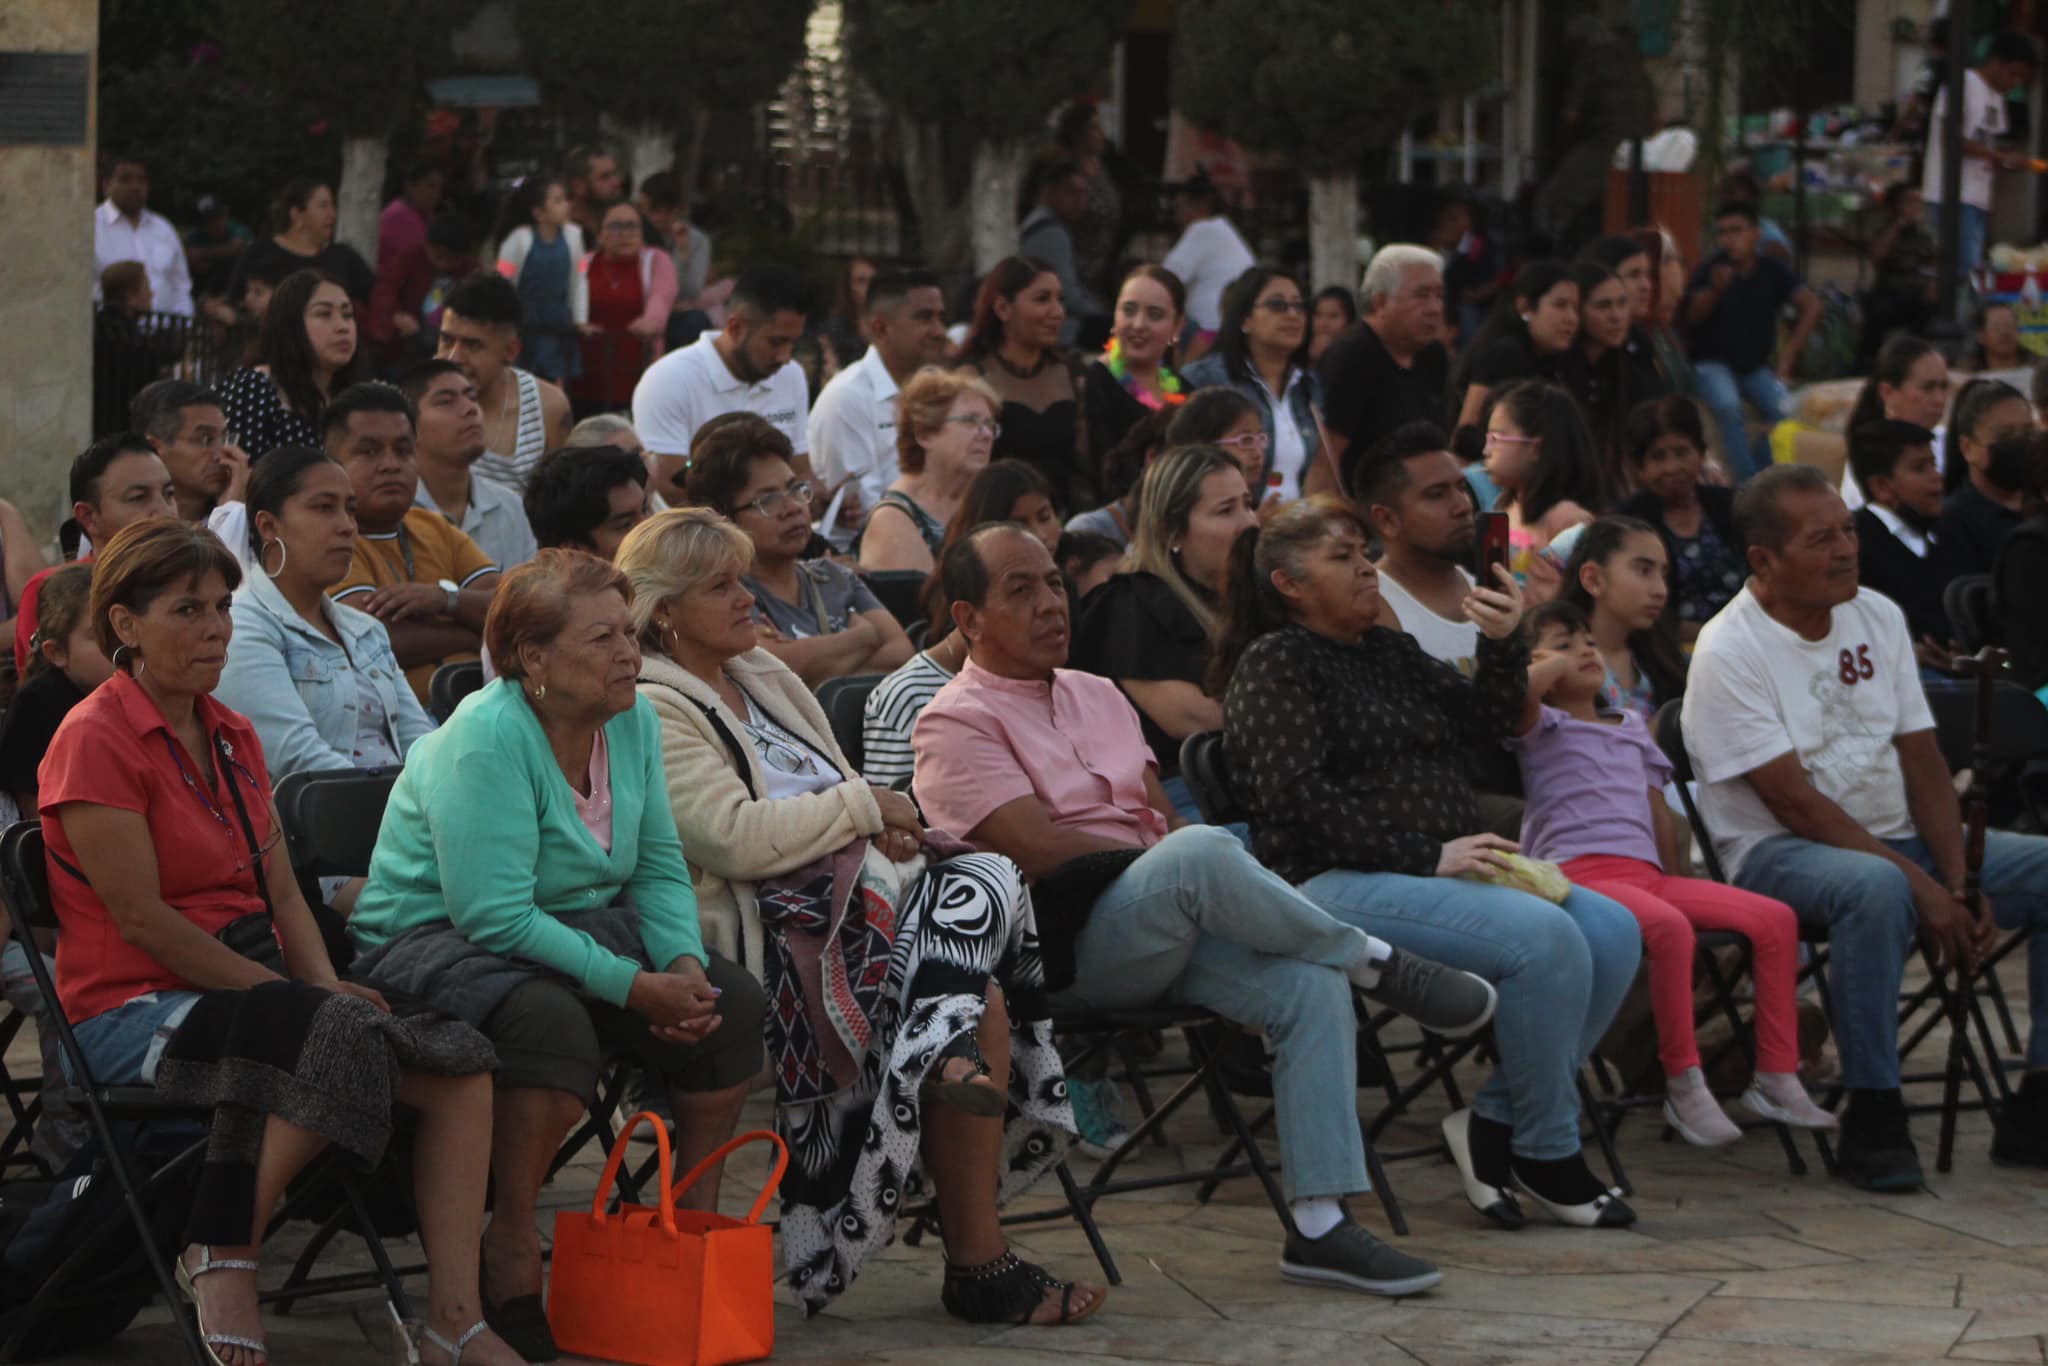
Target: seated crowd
(644,835)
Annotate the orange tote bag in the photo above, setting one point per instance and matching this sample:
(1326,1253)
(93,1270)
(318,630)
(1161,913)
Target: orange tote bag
(663,1286)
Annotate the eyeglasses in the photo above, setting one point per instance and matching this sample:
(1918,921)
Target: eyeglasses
(1284,305)
(773,501)
(621,227)
(1247,441)
(987,424)
(780,755)
(1503,439)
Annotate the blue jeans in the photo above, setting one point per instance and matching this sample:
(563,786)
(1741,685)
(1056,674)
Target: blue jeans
(125,1044)
(1198,921)
(1973,231)
(1561,972)
(1722,390)
(1867,906)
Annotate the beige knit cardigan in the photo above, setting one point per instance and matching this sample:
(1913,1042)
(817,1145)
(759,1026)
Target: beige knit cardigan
(731,840)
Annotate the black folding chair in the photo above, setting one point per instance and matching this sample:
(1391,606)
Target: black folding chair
(24,878)
(901,591)
(845,701)
(22,1097)
(450,684)
(1967,603)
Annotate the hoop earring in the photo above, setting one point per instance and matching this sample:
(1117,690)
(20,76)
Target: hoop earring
(124,655)
(284,554)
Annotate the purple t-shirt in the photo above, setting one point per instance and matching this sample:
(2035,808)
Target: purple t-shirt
(1588,785)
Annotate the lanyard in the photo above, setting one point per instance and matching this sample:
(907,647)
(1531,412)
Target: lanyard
(412,570)
(228,762)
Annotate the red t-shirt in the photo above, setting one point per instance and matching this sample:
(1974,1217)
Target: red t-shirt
(115,749)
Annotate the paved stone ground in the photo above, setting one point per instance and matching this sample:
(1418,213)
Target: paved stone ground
(1733,1259)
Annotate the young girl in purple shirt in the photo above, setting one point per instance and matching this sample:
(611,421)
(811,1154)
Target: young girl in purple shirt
(1594,778)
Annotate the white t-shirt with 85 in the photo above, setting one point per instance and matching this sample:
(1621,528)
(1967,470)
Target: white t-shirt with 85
(1757,689)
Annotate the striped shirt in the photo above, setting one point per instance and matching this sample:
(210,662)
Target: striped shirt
(529,441)
(891,711)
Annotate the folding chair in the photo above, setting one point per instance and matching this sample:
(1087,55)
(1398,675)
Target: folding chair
(900,590)
(450,684)
(24,879)
(844,701)
(21,1095)
(1967,604)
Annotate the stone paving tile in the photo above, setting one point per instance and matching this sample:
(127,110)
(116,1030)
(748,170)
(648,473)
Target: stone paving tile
(1733,1258)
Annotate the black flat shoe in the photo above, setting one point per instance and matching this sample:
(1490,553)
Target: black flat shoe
(522,1321)
(1497,1203)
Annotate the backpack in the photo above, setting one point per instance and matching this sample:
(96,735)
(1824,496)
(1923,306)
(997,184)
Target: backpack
(42,1223)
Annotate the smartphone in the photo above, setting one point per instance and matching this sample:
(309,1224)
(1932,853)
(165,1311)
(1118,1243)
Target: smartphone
(1492,548)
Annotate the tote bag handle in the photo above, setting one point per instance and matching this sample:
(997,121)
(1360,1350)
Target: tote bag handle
(767,1190)
(611,1171)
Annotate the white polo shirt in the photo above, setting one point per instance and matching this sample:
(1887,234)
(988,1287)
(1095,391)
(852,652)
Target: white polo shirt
(686,389)
(153,242)
(1208,256)
(853,431)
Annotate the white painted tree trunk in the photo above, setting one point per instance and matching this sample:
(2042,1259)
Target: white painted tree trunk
(355,198)
(646,148)
(1333,230)
(993,183)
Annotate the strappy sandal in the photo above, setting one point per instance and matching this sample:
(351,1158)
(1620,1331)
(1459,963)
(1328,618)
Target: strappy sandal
(976,1093)
(430,1338)
(522,1321)
(208,1263)
(1008,1290)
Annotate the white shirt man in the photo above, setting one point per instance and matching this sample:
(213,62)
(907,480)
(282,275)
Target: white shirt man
(1983,121)
(1208,256)
(125,230)
(853,428)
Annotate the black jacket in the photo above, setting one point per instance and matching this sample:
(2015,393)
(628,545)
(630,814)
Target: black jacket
(1913,583)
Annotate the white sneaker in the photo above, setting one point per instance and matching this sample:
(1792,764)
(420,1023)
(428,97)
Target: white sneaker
(1778,1097)
(1690,1108)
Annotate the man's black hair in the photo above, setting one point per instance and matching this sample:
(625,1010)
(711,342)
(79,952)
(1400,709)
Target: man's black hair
(569,494)
(371,396)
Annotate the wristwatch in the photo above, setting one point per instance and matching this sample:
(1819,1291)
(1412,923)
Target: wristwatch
(454,594)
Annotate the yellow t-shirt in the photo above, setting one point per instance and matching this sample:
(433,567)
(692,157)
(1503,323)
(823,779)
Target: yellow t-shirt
(426,548)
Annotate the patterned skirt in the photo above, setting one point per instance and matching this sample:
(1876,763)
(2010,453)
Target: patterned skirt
(855,1160)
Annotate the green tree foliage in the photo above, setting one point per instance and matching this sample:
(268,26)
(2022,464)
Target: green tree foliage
(359,65)
(658,61)
(1328,81)
(999,70)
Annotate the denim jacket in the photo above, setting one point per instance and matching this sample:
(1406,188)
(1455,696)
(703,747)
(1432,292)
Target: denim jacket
(1304,400)
(295,685)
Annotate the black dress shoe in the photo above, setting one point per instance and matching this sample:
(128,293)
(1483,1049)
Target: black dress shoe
(1486,1176)
(2021,1136)
(1875,1151)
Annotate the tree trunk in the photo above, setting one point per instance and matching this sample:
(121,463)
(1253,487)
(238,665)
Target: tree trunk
(941,219)
(992,188)
(693,151)
(649,147)
(1333,230)
(355,198)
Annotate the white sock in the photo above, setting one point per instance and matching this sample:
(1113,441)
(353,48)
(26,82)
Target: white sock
(1365,973)
(1316,1216)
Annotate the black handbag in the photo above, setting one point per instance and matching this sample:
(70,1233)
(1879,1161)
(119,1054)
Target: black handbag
(1061,902)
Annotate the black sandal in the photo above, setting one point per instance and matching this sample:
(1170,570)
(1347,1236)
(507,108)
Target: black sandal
(976,1093)
(1007,1290)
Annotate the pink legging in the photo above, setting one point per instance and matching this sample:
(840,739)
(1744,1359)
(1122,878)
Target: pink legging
(1669,909)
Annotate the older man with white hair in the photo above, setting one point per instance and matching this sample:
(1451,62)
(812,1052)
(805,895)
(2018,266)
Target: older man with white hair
(1391,367)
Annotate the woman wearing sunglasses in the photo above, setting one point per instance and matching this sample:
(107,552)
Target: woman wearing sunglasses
(910,1043)
(1262,353)
(187,959)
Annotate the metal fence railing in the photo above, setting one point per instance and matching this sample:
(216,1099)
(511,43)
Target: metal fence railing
(130,351)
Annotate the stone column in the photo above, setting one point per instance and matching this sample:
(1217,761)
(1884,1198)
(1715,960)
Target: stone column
(47,193)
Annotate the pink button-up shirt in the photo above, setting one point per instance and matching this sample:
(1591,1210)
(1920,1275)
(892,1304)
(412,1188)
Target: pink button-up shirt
(1073,743)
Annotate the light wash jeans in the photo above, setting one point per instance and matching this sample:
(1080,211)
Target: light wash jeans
(1722,390)
(1972,233)
(1561,972)
(1198,921)
(1867,906)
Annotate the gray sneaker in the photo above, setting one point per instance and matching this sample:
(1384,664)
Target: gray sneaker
(1443,1000)
(1352,1259)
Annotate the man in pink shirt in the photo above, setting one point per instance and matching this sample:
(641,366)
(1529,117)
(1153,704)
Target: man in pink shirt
(1049,767)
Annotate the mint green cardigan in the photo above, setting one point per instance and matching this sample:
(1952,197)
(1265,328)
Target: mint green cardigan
(482,831)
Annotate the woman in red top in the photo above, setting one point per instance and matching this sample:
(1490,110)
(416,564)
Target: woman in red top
(632,289)
(160,834)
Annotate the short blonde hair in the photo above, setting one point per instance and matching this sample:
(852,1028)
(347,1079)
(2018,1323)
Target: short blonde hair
(673,552)
(922,407)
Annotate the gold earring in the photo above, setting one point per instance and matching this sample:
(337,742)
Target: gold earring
(540,692)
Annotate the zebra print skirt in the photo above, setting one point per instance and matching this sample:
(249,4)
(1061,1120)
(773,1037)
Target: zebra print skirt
(855,1160)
